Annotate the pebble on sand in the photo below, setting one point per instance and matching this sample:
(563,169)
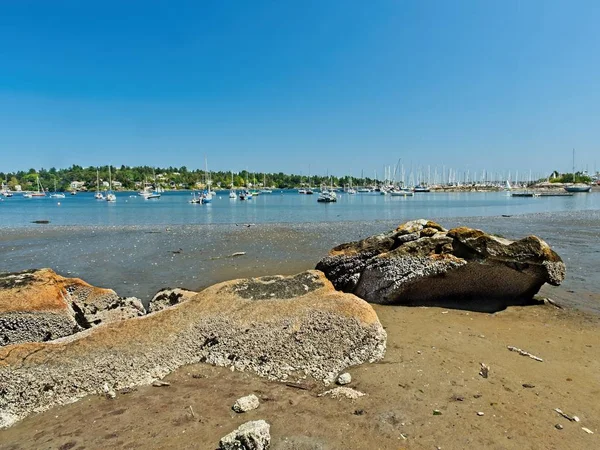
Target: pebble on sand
(340,392)
(247,403)
(344,378)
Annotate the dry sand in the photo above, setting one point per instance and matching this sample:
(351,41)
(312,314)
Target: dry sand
(432,363)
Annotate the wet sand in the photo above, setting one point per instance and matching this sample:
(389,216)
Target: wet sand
(138,261)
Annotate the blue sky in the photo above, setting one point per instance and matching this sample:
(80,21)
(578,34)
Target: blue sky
(338,86)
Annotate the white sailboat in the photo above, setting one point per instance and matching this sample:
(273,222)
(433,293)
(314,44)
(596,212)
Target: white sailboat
(40,190)
(153,194)
(265,190)
(350,189)
(327,196)
(98,195)
(56,194)
(232,191)
(110,196)
(207,195)
(577,187)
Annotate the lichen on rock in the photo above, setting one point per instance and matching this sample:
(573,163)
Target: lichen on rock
(40,305)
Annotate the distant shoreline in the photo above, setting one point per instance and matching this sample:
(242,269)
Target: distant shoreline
(545,187)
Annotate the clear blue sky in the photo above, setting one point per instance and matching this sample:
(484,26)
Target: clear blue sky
(280,85)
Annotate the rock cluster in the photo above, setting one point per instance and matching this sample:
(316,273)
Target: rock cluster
(40,305)
(277,327)
(421,263)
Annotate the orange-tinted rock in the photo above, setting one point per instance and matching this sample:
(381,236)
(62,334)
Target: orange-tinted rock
(40,305)
(277,327)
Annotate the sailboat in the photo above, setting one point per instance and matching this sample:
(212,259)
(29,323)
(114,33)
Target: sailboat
(254,192)
(40,190)
(145,191)
(350,189)
(110,196)
(577,187)
(327,196)
(265,190)
(301,190)
(153,194)
(56,194)
(4,190)
(309,191)
(98,195)
(207,196)
(232,191)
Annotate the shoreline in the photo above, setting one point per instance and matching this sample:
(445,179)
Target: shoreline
(139,260)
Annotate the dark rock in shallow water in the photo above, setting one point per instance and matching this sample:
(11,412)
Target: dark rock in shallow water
(315,332)
(169,297)
(40,305)
(421,263)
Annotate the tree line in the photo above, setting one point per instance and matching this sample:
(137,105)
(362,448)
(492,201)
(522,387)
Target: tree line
(131,178)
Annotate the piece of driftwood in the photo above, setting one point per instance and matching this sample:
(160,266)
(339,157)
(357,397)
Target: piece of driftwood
(524,353)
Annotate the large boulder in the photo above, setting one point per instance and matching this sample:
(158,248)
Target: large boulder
(421,263)
(40,305)
(277,327)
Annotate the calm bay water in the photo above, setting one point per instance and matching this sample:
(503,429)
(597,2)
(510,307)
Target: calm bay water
(280,207)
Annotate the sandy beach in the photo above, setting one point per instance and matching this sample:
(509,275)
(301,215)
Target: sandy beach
(426,393)
(432,363)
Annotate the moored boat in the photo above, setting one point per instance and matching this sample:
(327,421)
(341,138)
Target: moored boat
(577,187)
(421,188)
(110,196)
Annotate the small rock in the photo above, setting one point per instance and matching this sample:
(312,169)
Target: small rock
(127,390)
(247,403)
(160,383)
(558,426)
(485,370)
(587,430)
(359,412)
(437,412)
(344,378)
(340,392)
(528,385)
(253,435)
(480,413)
(108,392)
